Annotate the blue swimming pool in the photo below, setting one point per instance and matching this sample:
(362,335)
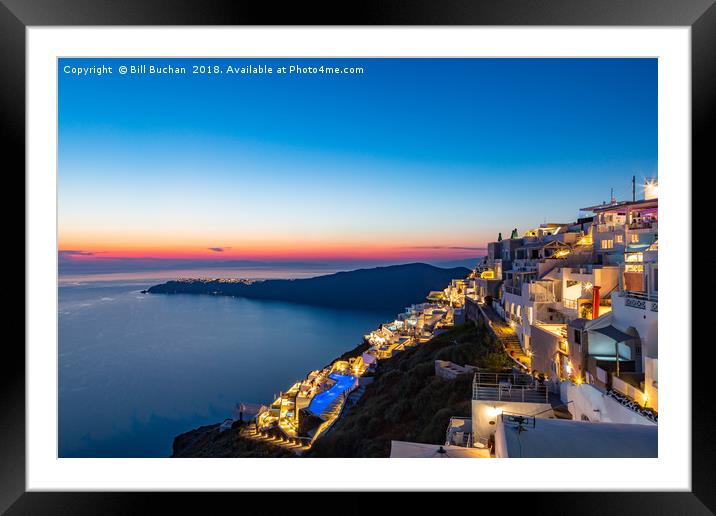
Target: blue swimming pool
(321,401)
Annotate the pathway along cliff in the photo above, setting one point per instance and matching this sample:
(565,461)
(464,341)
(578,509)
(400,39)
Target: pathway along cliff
(406,401)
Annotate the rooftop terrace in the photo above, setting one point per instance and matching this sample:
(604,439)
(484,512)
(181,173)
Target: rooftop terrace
(508,387)
(521,436)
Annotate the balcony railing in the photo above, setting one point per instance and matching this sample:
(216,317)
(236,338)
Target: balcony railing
(643,225)
(642,304)
(508,387)
(587,268)
(635,303)
(609,228)
(525,265)
(642,296)
(570,304)
(517,291)
(459,432)
(542,293)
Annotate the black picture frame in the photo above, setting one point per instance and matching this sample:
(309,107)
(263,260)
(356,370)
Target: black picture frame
(17,15)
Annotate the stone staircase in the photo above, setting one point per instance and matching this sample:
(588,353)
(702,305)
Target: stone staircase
(329,416)
(355,396)
(506,336)
(332,410)
(292,444)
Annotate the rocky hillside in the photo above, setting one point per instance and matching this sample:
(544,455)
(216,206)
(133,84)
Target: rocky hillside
(407,402)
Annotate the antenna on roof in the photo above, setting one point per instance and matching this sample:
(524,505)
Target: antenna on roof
(611,196)
(633,188)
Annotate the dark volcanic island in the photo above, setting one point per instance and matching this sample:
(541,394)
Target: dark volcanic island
(382,288)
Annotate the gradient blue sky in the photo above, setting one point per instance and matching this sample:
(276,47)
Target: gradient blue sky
(413,159)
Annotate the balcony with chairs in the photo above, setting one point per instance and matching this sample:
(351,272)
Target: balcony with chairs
(516,387)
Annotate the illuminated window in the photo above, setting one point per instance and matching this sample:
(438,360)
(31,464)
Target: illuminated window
(607,244)
(619,239)
(634,238)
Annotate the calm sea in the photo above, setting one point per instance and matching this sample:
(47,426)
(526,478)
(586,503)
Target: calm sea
(137,369)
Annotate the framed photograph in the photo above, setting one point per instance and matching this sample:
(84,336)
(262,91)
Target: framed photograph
(306,251)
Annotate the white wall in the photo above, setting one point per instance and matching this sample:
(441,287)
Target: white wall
(645,321)
(484,411)
(652,375)
(589,401)
(500,442)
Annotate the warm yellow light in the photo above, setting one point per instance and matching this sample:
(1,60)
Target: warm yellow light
(586,240)
(588,286)
(492,411)
(651,189)
(578,381)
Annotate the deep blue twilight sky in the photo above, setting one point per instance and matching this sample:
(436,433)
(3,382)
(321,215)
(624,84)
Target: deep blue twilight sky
(413,159)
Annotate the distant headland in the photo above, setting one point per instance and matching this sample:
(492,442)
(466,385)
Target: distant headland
(382,288)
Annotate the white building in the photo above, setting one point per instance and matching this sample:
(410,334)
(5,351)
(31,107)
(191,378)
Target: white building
(520,437)
(494,394)
(617,354)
